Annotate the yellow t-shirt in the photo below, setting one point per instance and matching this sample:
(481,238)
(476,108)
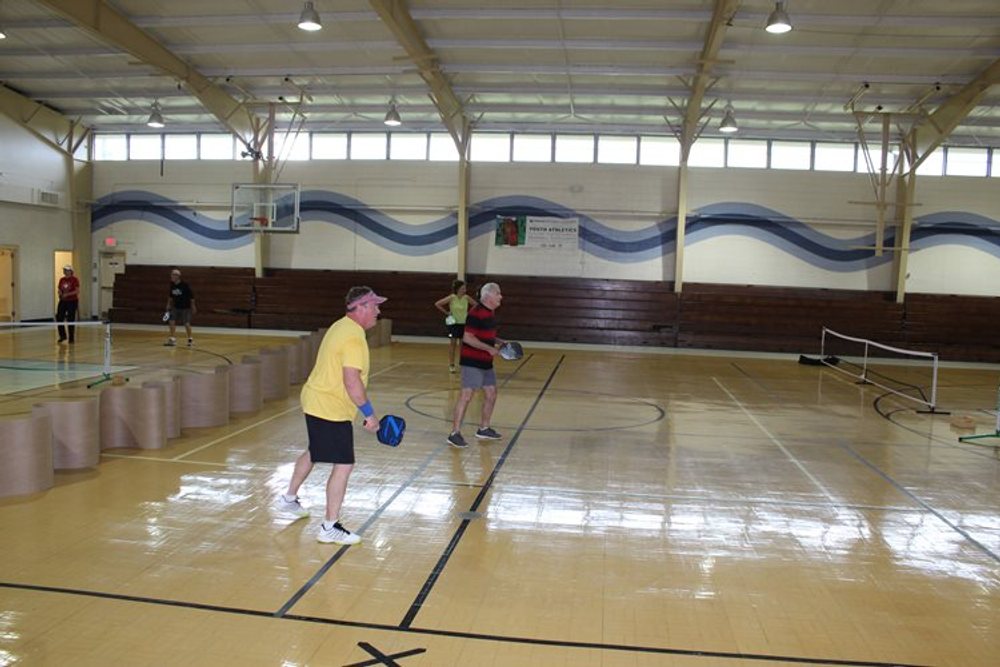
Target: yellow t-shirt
(324,394)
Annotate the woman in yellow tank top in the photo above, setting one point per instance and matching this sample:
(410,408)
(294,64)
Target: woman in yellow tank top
(455,306)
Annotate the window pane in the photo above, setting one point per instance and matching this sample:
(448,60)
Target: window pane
(329,146)
(442,148)
(834,157)
(574,148)
(532,148)
(933,165)
(966,162)
(659,151)
(744,153)
(790,155)
(217,147)
(876,158)
(292,146)
(490,148)
(708,153)
(180,146)
(145,147)
(369,146)
(617,150)
(408,146)
(110,147)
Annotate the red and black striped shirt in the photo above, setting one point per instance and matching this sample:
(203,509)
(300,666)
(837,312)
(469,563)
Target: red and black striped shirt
(481,323)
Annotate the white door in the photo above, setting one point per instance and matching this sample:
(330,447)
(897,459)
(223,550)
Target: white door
(112,263)
(8,287)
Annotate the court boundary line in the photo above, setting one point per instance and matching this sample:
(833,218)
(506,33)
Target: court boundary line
(774,439)
(314,579)
(906,492)
(454,634)
(425,590)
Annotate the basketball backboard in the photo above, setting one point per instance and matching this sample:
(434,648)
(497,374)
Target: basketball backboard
(266,208)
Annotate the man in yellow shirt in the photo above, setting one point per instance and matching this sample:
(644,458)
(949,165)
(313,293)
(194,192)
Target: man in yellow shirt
(333,394)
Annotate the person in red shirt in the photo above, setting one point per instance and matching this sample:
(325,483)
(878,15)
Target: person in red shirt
(69,302)
(479,345)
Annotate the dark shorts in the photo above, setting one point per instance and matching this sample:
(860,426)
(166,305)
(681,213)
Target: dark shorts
(477,378)
(330,442)
(180,315)
(456,331)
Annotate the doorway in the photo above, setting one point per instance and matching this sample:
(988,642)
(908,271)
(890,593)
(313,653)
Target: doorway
(61,259)
(8,283)
(112,263)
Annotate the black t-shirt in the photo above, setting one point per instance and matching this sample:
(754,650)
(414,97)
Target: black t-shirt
(181,294)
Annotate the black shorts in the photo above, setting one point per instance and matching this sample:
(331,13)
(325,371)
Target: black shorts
(456,331)
(330,442)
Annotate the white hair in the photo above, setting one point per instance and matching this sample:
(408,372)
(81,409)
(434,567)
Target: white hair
(489,288)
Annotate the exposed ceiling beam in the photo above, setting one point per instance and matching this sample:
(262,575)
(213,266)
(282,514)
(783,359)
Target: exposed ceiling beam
(602,45)
(101,19)
(48,125)
(928,134)
(618,71)
(944,20)
(705,76)
(396,17)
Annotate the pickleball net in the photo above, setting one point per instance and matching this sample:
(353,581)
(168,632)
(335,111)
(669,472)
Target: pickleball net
(32,356)
(911,375)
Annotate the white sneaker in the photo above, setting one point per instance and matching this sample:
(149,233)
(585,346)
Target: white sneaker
(293,507)
(190,342)
(336,534)
(171,342)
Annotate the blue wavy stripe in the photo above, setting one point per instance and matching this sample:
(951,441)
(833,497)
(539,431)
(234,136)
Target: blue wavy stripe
(617,245)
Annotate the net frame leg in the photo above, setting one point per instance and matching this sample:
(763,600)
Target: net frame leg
(983,436)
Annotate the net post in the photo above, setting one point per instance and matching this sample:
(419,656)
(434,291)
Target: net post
(107,349)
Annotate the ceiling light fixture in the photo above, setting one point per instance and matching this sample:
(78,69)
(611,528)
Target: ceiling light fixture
(728,124)
(155,117)
(392,118)
(778,22)
(309,18)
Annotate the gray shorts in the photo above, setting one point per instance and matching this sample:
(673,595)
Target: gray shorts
(477,378)
(180,315)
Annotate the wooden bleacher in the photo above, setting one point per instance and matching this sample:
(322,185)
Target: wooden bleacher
(581,310)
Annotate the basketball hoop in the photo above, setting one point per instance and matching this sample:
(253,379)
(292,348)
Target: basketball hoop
(261,221)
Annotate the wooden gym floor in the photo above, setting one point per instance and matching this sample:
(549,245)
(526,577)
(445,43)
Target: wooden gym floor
(642,509)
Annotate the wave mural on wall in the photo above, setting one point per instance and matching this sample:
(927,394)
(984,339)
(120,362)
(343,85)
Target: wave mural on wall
(739,219)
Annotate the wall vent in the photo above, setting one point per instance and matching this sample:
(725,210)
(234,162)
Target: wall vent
(48,197)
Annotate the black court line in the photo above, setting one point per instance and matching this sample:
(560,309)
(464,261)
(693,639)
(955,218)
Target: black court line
(292,601)
(453,634)
(313,580)
(382,658)
(460,531)
(909,494)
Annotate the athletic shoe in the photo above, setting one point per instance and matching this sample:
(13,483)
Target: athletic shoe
(336,534)
(456,440)
(451,368)
(487,434)
(293,507)
(190,342)
(171,342)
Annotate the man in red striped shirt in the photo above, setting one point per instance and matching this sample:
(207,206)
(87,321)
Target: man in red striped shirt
(479,345)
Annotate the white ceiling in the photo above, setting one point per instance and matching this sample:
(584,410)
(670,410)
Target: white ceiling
(528,65)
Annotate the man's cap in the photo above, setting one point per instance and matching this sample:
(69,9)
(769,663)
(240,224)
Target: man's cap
(367,297)
(68,267)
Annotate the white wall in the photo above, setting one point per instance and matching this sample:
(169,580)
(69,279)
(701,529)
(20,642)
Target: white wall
(28,164)
(767,227)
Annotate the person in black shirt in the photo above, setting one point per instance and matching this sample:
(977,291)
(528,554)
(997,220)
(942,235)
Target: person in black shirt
(180,307)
